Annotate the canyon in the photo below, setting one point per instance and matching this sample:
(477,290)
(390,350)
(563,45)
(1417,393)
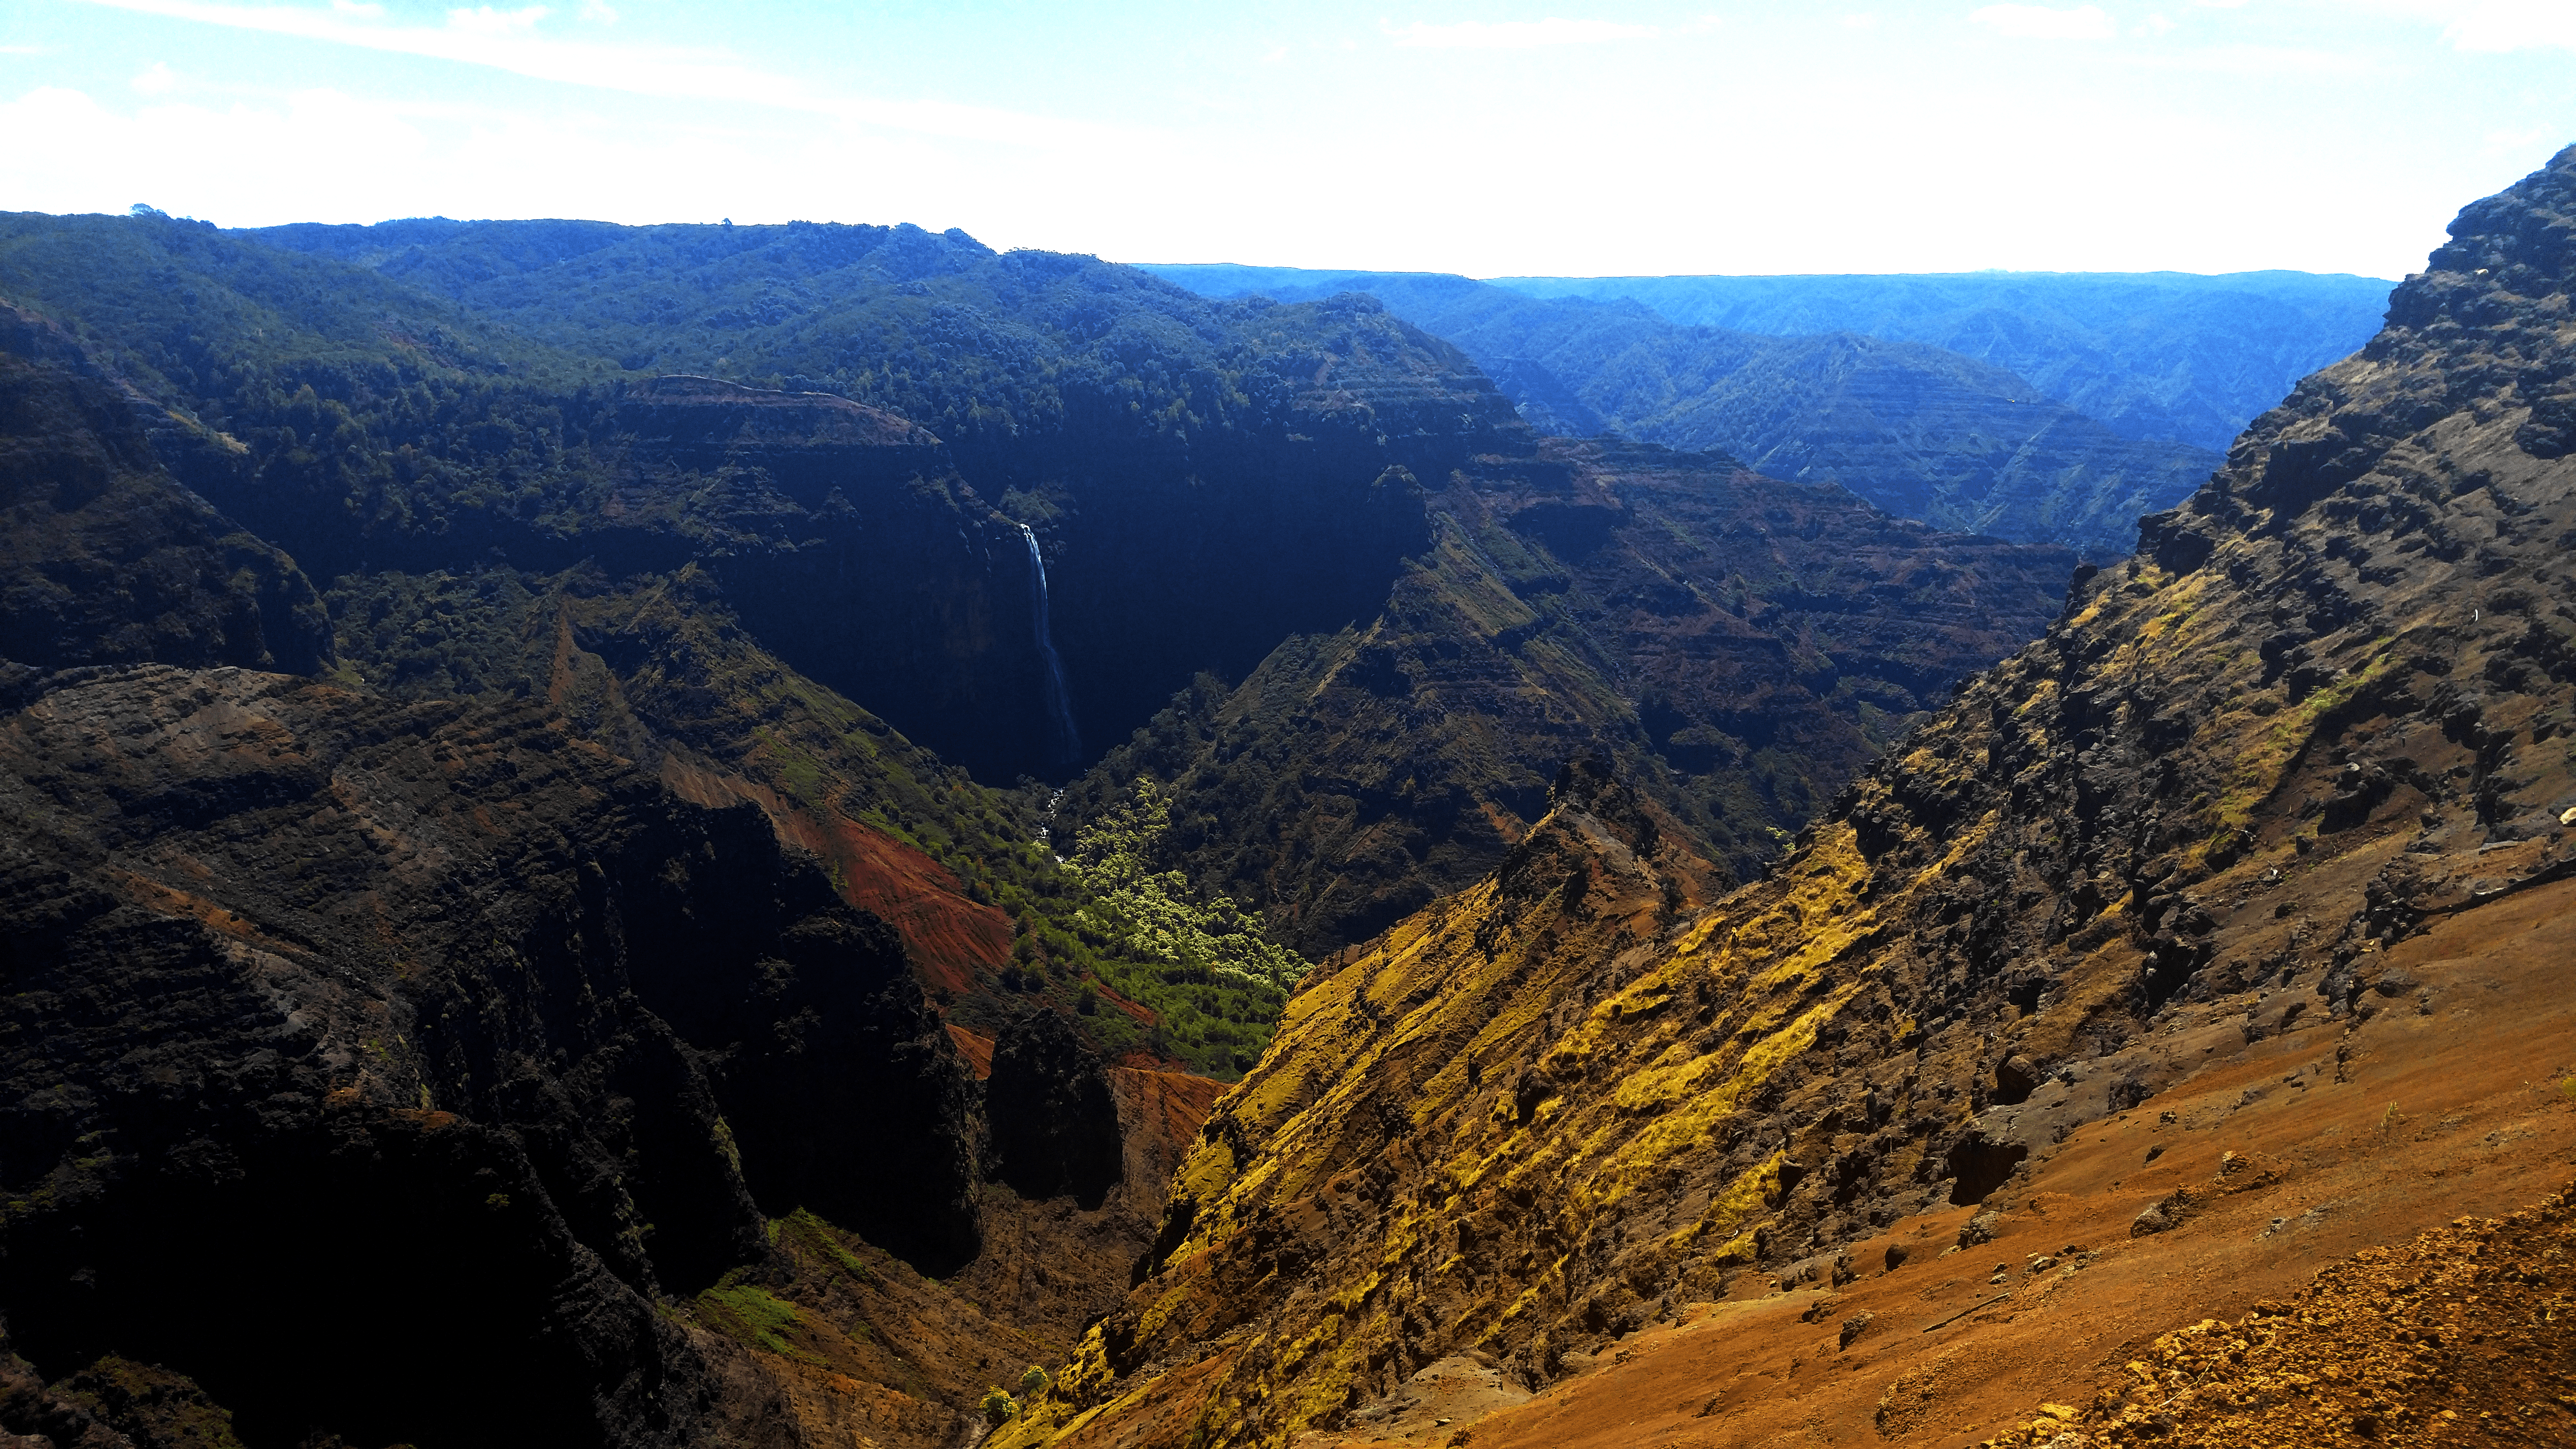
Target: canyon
(817,834)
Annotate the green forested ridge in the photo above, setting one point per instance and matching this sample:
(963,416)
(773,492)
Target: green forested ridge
(375,422)
(995,353)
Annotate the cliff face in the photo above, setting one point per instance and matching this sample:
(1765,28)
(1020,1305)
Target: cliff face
(844,534)
(107,560)
(291,983)
(2325,706)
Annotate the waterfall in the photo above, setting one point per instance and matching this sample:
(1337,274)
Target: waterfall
(1064,742)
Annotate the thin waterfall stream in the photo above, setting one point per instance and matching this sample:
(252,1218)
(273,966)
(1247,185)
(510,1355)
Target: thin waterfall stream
(1064,742)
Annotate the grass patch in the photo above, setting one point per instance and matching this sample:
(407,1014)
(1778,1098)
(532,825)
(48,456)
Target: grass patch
(804,1232)
(2261,767)
(750,1314)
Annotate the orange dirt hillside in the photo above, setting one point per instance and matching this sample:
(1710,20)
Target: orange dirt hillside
(951,937)
(2324,1151)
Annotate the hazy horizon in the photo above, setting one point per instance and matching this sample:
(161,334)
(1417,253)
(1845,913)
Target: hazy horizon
(1652,138)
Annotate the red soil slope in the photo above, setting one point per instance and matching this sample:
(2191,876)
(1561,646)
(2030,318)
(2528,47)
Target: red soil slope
(951,937)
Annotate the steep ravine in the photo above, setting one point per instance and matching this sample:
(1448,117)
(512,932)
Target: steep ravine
(2325,708)
(685,1147)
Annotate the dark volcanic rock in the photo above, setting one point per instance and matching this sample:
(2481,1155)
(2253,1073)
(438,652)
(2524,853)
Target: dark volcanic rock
(1055,1123)
(433,1045)
(106,560)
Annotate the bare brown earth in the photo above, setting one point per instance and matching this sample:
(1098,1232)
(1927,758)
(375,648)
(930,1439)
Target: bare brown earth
(954,941)
(2443,1107)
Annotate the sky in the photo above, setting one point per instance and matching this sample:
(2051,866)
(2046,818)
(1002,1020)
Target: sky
(1639,138)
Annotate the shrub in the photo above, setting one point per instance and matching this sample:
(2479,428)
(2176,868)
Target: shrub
(999,1407)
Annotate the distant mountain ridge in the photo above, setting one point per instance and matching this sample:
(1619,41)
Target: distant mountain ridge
(2156,356)
(1920,431)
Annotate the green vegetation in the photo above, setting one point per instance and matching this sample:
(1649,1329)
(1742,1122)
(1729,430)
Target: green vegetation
(151,1405)
(999,1407)
(1152,911)
(374,420)
(1190,979)
(750,1314)
(801,1230)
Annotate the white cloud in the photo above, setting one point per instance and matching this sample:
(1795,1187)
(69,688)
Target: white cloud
(1515,34)
(598,12)
(2262,62)
(2038,22)
(505,40)
(2490,26)
(2501,25)
(157,80)
(1863,21)
(484,20)
(330,156)
(95,156)
(363,9)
